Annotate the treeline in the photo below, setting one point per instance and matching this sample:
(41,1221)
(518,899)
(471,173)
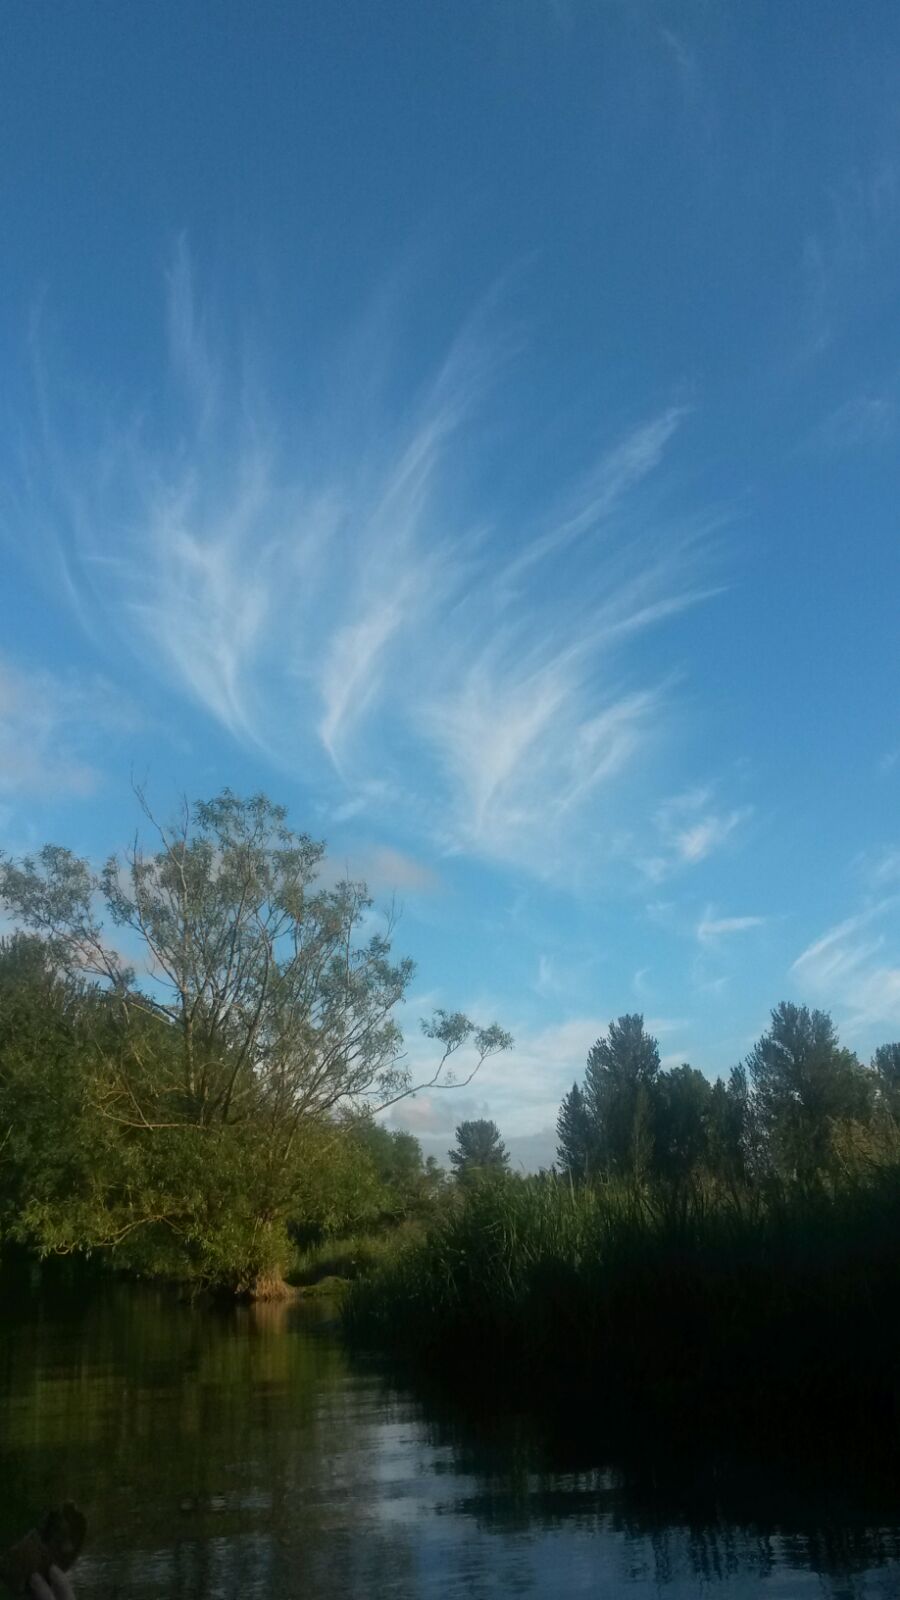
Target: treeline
(705,1256)
(194,1043)
(802,1108)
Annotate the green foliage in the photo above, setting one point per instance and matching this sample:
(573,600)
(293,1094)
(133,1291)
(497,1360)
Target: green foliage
(797,1109)
(574,1132)
(681,1122)
(348,1256)
(886,1070)
(187,1108)
(805,1084)
(622,1070)
(479,1151)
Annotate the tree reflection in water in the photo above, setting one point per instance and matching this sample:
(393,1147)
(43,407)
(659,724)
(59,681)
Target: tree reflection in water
(240,1452)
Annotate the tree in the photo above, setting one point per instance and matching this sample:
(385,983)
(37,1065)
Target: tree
(575,1135)
(261,1011)
(886,1068)
(805,1084)
(406,1183)
(479,1150)
(618,1090)
(681,1101)
(732,1144)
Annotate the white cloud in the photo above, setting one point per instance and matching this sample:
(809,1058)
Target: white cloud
(886,870)
(52,731)
(710,928)
(849,252)
(520,1091)
(856,966)
(385,869)
(329,598)
(689,829)
(868,420)
(699,840)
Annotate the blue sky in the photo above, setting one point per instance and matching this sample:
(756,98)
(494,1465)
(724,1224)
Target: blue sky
(477,425)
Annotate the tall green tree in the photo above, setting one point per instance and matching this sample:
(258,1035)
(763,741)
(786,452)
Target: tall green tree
(805,1083)
(253,1009)
(619,1085)
(479,1150)
(575,1138)
(681,1102)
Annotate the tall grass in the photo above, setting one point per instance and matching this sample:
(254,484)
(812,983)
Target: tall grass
(350,1255)
(765,1304)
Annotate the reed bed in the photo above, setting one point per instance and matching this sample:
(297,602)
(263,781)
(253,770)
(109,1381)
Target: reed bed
(764,1305)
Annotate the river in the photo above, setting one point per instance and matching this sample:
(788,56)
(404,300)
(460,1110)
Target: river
(241,1453)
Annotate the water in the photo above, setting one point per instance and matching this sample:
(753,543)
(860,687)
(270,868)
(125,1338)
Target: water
(241,1454)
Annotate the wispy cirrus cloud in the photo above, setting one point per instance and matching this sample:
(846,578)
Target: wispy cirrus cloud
(690,827)
(711,929)
(856,966)
(885,869)
(866,421)
(850,250)
(327,593)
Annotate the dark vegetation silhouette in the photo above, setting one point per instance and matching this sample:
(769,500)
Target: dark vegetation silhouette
(719,1253)
(479,1150)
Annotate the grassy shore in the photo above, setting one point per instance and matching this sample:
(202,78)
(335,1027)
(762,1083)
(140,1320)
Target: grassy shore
(776,1308)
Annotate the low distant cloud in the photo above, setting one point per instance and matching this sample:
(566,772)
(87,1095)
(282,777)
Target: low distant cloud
(53,731)
(387,869)
(330,593)
(522,1091)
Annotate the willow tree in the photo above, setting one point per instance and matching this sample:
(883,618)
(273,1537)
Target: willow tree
(253,1002)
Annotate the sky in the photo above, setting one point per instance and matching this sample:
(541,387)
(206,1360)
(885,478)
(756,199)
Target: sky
(476,425)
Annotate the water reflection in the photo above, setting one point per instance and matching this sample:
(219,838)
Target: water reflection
(225,1454)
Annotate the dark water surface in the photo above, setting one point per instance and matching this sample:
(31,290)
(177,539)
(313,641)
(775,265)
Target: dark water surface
(241,1454)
